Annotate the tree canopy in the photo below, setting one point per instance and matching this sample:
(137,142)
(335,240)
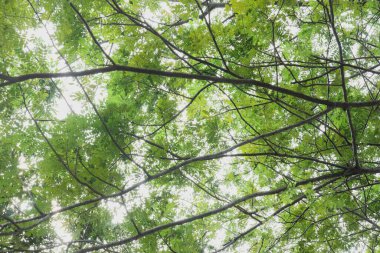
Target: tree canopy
(189,126)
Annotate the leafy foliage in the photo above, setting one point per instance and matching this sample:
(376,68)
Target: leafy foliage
(189,126)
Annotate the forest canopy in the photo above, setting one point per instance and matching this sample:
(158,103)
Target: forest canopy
(189,126)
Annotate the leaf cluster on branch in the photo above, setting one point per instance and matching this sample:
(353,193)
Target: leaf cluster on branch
(189,126)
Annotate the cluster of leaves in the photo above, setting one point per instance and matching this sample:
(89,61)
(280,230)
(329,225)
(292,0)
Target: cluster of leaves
(239,126)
